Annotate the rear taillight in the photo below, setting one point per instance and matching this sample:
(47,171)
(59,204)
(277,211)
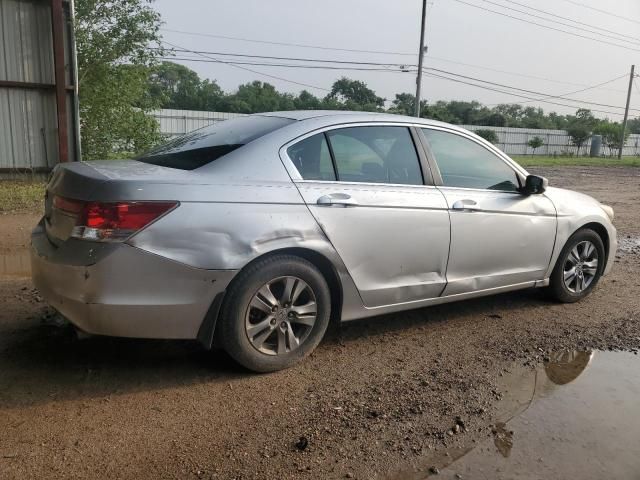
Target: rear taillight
(111,222)
(67,205)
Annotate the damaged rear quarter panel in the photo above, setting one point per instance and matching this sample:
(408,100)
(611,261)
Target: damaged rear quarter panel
(226,236)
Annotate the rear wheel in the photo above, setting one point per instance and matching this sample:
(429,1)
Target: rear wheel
(275,314)
(579,267)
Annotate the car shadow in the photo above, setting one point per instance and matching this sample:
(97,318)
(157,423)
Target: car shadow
(42,363)
(494,306)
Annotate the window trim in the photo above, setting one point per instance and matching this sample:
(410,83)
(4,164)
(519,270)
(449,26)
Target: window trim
(520,172)
(425,168)
(336,174)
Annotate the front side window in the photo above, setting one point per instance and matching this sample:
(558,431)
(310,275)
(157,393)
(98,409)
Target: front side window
(467,164)
(375,155)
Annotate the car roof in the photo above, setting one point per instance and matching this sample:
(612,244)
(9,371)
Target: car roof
(332,116)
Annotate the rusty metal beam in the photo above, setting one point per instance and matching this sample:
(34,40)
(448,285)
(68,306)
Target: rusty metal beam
(57,21)
(26,85)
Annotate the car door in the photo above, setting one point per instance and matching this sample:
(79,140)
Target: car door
(499,237)
(365,186)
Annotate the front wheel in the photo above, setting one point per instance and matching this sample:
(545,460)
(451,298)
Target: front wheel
(579,267)
(275,314)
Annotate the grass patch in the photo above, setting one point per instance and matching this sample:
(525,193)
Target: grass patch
(21,195)
(540,161)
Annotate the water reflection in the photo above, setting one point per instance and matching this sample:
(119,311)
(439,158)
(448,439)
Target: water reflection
(577,416)
(15,264)
(503,439)
(564,367)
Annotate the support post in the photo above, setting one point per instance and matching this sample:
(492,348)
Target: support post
(626,111)
(57,21)
(420,58)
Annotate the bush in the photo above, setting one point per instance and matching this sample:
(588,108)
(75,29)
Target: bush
(534,143)
(488,135)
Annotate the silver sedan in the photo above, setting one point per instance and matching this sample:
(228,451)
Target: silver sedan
(253,233)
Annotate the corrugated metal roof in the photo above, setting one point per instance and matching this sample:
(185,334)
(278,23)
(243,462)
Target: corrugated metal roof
(26,51)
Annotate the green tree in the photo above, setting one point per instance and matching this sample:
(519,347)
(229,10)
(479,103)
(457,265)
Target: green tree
(495,119)
(113,39)
(404,104)
(210,95)
(256,97)
(580,127)
(487,134)
(634,125)
(534,118)
(535,143)
(611,133)
(307,101)
(179,87)
(579,134)
(348,94)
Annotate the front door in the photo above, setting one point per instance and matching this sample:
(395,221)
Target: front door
(499,237)
(365,187)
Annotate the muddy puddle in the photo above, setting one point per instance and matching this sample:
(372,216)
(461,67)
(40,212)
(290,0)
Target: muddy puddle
(15,264)
(577,416)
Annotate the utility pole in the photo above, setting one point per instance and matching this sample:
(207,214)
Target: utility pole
(420,58)
(626,111)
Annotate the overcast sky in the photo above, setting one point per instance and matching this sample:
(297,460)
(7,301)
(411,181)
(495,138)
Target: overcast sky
(455,33)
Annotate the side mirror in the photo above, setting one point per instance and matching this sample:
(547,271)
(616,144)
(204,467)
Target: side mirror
(535,185)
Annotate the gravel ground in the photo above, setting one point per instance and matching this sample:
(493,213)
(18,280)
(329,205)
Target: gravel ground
(378,399)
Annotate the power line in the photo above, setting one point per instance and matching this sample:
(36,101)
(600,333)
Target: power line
(545,96)
(563,96)
(289,58)
(288,65)
(251,70)
(528,91)
(547,26)
(513,94)
(534,77)
(238,65)
(634,40)
(579,4)
(300,45)
(356,62)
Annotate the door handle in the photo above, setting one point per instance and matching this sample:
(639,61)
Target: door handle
(337,200)
(466,204)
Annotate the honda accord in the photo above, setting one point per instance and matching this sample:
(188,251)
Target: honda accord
(253,233)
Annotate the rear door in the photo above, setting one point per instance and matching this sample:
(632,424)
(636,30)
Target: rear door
(365,185)
(499,237)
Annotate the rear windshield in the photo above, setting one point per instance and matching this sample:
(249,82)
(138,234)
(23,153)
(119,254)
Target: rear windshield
(203,146)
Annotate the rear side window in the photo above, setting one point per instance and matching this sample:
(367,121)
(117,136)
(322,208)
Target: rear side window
(312,158)
(375,155)
(360,154)
(203,146)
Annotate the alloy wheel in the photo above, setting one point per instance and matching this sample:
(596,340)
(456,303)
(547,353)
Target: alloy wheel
(580,267)
(281,315)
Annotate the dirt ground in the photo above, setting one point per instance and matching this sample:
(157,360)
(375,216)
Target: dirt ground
(380,398)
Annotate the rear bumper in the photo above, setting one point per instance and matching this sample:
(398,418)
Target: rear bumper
(126,293)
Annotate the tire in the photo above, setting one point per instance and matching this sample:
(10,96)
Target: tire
(573,255)
(267,320)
